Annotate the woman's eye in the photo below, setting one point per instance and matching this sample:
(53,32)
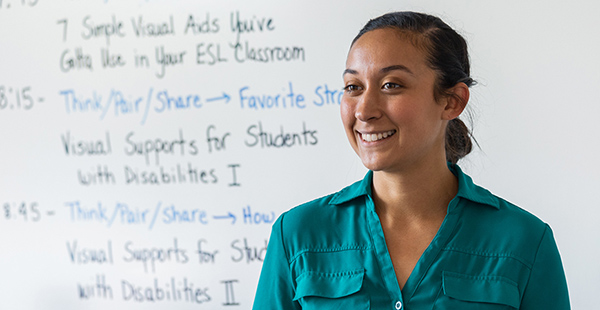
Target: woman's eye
(390,86)
(351,88)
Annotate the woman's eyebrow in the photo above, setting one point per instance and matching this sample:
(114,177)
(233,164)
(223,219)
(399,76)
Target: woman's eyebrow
(396,67)
(383,70)
(350,71)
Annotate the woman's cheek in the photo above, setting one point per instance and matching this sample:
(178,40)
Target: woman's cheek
(347,111)
(348,119)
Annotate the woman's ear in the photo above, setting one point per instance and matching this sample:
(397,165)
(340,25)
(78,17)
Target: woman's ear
(456,101)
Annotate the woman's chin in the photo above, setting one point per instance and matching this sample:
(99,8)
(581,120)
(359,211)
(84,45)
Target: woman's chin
(374,165)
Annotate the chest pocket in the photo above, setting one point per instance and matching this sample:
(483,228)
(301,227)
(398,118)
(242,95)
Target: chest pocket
(466,292)
(340,290)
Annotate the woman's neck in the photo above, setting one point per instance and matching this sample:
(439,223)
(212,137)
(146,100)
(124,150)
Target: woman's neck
(420,194)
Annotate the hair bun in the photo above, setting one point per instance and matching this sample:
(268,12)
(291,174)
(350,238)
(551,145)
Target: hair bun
(458,140)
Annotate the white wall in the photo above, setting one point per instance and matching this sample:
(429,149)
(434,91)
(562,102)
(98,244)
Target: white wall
(534,117)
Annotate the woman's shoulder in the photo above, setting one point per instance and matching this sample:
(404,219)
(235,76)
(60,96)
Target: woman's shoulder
(485,210)
(318,213)
(503,230)
(489,224)
(503,216)
(333,220)
(324,207)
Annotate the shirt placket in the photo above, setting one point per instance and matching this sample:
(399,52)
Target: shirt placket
(383,257)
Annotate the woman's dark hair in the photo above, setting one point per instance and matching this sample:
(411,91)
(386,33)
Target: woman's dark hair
(447,55)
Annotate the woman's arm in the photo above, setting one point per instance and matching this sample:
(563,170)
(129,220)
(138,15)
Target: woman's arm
(547,286)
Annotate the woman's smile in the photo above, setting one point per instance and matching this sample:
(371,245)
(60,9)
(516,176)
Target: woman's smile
(375,136)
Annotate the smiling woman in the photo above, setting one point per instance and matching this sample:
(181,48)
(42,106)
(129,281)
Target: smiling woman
(416,232)
(389,88)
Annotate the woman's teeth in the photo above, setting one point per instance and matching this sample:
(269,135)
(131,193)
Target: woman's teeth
(372,137)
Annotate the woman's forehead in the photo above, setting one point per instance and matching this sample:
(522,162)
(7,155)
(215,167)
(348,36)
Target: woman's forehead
(386,47)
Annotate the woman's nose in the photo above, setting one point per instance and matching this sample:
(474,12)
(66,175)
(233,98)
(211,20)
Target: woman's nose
(367,107)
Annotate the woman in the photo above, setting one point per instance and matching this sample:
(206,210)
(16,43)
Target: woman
(415,233)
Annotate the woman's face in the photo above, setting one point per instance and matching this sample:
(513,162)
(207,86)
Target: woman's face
(388,109)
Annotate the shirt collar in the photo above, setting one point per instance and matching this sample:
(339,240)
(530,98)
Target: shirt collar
(466,189)
(469,190)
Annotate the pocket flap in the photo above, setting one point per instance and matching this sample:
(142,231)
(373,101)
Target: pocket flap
(487,289)
(329,285)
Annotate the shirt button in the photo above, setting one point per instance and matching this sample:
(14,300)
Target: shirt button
(398,305)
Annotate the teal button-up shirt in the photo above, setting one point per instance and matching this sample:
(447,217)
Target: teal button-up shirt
(330,253)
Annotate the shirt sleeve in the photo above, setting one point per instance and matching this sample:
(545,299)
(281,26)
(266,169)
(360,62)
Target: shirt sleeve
(547,286)
(275,288)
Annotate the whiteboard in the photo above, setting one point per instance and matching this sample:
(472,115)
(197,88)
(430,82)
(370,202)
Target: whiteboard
(147,146)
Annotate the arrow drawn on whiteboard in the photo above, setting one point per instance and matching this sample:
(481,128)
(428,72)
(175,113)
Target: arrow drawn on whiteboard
(225,97)
(224,217)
